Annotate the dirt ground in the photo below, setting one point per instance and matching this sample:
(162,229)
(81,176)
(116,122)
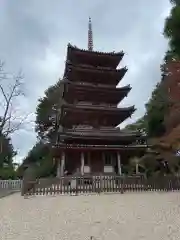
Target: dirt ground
(131,216)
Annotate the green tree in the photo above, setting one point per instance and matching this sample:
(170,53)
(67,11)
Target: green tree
(171,28)
(156,109)
(48,111)
(136,165)
(6,156)
(47,115)
(174,164)
(7,169)
(152,123)
(41,155)
(11,93)
(140,126)
(150,164)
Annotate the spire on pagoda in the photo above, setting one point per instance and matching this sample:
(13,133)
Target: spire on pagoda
(90,36)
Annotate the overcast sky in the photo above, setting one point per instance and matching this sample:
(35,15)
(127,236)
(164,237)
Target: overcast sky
(34,35)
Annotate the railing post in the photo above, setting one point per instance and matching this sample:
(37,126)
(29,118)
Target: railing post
(122,185)
(119,163)
(58,168)
(77,185)
(82,163)
(62,163)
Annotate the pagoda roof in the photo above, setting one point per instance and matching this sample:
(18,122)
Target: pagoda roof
(113,53)
(79,114)
(77,55)
(94,86)
(94,74)
(114,134)
(90,92)
(88,107)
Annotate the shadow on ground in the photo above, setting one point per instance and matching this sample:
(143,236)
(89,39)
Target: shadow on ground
(5,192)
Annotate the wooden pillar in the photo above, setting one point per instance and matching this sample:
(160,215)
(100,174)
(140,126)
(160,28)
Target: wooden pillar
(58,168)
(82,163)
(119,163)
(89,161)
(62,163)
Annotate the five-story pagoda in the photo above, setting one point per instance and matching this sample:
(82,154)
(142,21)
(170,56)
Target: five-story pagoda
(89,141)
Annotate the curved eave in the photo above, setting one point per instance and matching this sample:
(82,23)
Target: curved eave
(94,86)
(103,136)
(72,115)
(103,109)
(100,147)
(74,48)
(93,93)
(103,70)
(115,57)
(113,76)
(99,89)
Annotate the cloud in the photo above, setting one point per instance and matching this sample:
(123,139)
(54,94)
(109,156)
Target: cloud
(34,36)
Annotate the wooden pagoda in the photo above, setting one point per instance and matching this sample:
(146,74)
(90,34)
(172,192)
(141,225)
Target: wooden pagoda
(89,141)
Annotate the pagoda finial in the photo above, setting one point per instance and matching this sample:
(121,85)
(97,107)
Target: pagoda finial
(90,36)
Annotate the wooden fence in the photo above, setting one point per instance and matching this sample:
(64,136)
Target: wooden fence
(10,184)
(99,184)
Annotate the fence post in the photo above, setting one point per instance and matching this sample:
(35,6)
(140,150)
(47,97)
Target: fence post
(146,184)
(122,185)
(76,191)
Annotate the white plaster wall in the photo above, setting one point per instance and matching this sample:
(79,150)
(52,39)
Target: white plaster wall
(87,169)
(108,169)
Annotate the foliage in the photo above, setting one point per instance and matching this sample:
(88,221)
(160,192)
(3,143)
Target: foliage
(40,154)
(8,173)
(47,112)
(172,26)
(176,2)
(152,123)
(10,92)
(155,112)
(157,106)
(140,126)
(174,164)
(136,165)
(150,164)
(6,156)
(7,168)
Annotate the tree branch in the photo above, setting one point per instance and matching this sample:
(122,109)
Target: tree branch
(10,93)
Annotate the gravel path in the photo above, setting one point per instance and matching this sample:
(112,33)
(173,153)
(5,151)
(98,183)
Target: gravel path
(129,216)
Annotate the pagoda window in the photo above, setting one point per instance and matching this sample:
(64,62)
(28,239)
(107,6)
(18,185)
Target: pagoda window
(108,159)
(86,159)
